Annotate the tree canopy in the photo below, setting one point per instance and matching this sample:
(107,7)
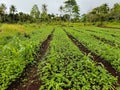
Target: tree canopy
(35,13)
(103,13)
(70,11)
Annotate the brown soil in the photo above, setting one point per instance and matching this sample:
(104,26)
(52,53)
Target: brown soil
(101,32)
(107,41)
(93,31)
(114,35)
(109,27)
(29,79)
(95,57)
(101,39)
(0,30)
(104,40)
(78,31)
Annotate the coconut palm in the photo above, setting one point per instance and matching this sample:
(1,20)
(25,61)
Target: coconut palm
(12,9)
(12,12)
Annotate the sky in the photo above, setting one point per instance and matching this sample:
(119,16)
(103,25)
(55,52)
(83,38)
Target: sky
(53,5)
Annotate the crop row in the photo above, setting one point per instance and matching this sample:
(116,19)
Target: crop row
(18,53)
(106,51)
(108,39)
(107,31)
(65,67)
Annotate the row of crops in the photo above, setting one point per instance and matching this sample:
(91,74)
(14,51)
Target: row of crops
(107,51)
(64,66)
(112,35)
(18,51)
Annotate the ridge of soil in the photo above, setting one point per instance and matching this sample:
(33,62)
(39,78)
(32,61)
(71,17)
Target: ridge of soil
(101,39)
(92,31)
(104,40)
(95,57)
(29,79)
(108,27)
(78,31)
(101,32)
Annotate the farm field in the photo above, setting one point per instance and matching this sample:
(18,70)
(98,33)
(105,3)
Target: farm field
(51,57)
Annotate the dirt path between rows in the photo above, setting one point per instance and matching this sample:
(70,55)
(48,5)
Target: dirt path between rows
(29,79)
(108,27)
(105,41)
(95,57)
(113,35)
(100,39)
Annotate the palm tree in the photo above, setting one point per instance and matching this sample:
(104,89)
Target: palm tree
(2,11)
(12,11)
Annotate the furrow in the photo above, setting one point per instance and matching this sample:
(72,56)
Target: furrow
(29,79)
(95,57)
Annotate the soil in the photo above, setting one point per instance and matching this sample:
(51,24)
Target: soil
(29,79)
(101,32)
(95,57)
(93,31)
(114,35)
(0,30)
(104,40)
(109,27)
(78,31)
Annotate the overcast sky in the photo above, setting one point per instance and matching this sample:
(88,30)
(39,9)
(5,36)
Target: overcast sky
(53,5)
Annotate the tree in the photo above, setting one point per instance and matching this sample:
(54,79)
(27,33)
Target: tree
(13,9)
(115,12)
(69,4)
(44,8)
(2,12)
(83,18)
(104,8)
(66,17)
(71,8)
(12,13)
(44,15)
(61,9)
(99,14)
(35,13)
(76,13)
(2,8)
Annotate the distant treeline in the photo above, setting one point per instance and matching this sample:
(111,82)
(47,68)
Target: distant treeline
(69,12)
(103,13)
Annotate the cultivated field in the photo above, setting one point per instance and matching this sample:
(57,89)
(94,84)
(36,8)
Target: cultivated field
(51,57)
